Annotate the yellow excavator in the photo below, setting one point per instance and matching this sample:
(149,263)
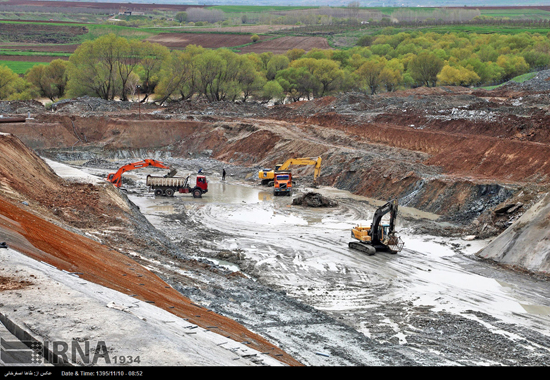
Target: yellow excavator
(267,175)
(379,236)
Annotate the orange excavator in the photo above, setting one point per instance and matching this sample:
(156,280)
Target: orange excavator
(116,178)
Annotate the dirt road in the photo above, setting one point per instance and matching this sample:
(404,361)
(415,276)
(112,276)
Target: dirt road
(431,304)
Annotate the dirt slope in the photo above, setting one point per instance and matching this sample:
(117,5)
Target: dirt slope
(31,194)
(524,244)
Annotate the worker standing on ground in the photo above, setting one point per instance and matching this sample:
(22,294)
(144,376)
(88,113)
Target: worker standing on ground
(223,174)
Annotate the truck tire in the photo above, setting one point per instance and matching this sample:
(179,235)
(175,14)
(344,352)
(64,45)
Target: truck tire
(158,192)
(169,192)
(197,193)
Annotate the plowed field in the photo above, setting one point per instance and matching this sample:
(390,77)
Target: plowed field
(283,44)
(30,58)
(42,47)
(206,40)
(100,5)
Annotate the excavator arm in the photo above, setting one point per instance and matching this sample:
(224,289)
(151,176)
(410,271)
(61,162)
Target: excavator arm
(267,175)
(304,161)
(116,178)
(390,207)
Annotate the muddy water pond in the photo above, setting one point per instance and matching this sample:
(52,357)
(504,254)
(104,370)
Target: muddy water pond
(295,247)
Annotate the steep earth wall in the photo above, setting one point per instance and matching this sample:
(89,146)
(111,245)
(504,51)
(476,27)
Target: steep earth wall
(525,244)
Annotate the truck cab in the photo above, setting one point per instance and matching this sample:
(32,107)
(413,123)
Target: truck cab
(202,183)
(201,187)
(282,184)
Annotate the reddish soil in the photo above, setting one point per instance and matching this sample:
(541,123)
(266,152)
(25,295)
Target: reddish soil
(40,33)
(283,44)
(9,283)
(480,157)
(244,29)
(44,21)
(41,48)
(23,176)
(104,5)
(30,58)
(206,40)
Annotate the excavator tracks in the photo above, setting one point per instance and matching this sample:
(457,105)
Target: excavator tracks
(367,249)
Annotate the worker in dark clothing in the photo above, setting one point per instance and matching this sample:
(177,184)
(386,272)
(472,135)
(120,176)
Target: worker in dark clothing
(223,175)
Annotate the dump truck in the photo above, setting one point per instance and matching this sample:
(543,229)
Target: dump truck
(267,175)
(169,186)
(378,237)
(282,184)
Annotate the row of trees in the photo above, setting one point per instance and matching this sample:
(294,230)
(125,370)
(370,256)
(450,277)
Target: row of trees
(113,67)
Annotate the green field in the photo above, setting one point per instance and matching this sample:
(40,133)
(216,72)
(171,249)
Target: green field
(515,14)
(33,53)
(19,67)
(344,31)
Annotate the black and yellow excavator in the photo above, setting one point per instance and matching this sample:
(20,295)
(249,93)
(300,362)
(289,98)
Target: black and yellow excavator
(379,237)
(267,175)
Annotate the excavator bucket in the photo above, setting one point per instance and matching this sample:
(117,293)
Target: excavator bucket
(395,244)
(171,173)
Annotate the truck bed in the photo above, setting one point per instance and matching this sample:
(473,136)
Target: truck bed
(169,181)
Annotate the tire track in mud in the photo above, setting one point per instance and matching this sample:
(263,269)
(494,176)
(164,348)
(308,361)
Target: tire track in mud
(307,333)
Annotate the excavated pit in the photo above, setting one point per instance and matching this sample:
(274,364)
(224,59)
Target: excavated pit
(468,156)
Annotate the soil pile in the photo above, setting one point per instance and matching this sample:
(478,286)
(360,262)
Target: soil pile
(27,179)
(313,200)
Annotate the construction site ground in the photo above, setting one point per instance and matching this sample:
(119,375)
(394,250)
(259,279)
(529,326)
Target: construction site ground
(255,272)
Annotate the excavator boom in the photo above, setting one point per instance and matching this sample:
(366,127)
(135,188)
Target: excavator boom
(267,175)
(116,178)
(304,161)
